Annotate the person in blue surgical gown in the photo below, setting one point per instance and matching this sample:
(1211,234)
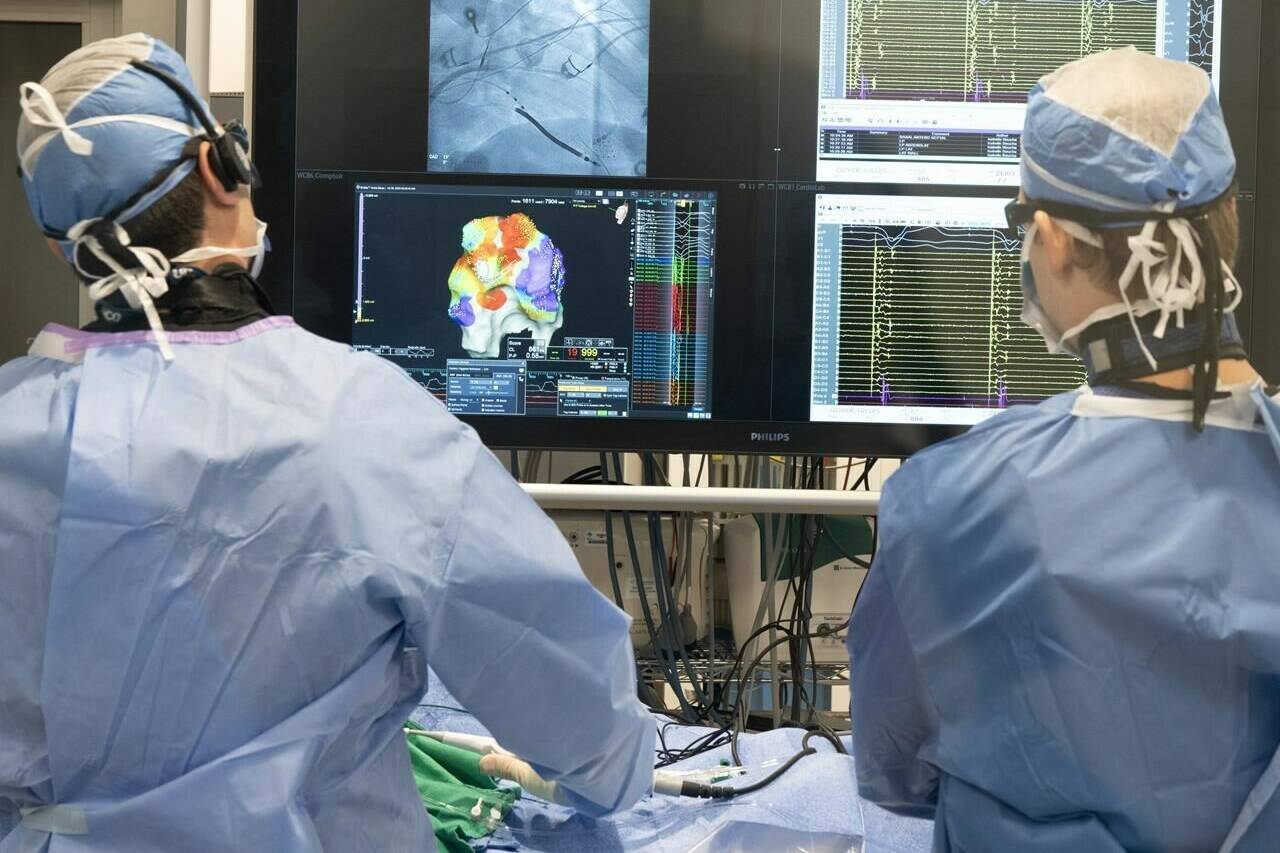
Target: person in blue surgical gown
(1070,638)
(229,549)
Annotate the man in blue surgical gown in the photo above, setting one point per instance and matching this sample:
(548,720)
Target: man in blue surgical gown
(1070,639)
(230,549)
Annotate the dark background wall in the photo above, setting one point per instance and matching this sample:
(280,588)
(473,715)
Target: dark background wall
(1265,296)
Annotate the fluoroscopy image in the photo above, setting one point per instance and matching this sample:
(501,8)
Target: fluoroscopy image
(509,279)
(539,86)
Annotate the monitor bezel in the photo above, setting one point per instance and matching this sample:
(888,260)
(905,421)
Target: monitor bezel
(274,134)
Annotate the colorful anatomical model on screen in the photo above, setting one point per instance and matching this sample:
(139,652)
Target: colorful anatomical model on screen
(509,279)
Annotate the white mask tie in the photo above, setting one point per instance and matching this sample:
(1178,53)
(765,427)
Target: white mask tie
(41,110)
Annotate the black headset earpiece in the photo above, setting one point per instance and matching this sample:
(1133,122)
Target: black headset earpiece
(230,162)
(225,159)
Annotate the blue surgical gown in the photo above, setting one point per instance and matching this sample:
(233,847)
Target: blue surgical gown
(222,581)
(1070,638)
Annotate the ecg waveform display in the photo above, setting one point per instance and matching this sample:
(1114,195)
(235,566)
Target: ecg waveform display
(934,91)
(1201,25)
(928,318)
(673,287)
(980,50)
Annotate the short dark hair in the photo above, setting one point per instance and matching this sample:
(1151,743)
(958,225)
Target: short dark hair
(173,224)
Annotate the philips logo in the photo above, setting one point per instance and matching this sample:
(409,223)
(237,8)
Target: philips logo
(771,436)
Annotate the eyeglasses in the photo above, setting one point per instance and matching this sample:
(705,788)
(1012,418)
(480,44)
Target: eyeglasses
(1019,213)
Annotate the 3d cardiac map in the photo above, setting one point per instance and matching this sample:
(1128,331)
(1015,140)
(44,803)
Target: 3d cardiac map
(539,86)
(510,279)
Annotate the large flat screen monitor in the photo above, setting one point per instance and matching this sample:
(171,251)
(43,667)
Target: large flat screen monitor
(738,225)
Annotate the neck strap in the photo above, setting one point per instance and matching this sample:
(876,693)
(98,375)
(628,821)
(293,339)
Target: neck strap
(1112,354)
(228,297)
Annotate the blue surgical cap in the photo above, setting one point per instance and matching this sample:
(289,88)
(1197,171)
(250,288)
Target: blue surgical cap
(1124,130)
(99,136)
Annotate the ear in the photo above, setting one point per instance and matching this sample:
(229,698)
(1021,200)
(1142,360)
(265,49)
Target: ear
(1057,243)
(213,188)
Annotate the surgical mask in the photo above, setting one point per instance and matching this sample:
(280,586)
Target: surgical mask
(1032,311)
(257,253)
(1056,341)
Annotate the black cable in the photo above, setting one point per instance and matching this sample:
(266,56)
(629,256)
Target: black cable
(802,558)
(724,792)
(1205,374)
(775,775)
(746,674)
(670,624)
(811,561)
(801,555)
(704,743)
(591,474)
(515,465)
(672,676)
(727,732)
(726,728)
(666,598)
(613,561)
(864,480)
(613,571)
(830,736)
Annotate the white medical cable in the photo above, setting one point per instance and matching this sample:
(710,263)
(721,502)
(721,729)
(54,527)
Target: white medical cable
(478,744)
(506,765)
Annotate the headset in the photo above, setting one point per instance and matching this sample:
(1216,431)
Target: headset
(228,154)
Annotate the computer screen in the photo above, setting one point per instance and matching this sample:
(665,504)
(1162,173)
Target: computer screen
(916,313)
(739,225)
(574,302)
(934,91)
(563,90)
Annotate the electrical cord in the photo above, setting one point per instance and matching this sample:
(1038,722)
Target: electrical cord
(666,600)
(798,550)
(799,554)
(669,675)
(613,562)
(670,671)
(746,675)
(704,743)
(701,790)
(864,480)
(712,738)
